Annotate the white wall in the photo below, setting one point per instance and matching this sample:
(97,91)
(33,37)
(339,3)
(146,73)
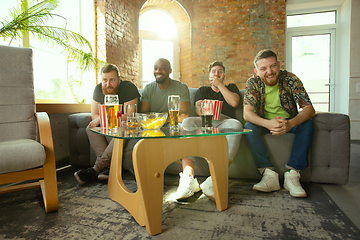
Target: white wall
(343,59)
(354,96)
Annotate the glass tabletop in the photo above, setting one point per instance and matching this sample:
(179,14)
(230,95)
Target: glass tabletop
(165,132)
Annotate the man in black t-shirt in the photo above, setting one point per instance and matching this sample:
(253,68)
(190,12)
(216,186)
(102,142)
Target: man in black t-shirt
(230,96)
(111,84)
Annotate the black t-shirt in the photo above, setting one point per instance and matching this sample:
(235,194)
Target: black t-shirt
(127,91)
(207,93)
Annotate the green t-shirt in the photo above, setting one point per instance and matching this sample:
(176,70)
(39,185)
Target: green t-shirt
(158,98)
(273,106)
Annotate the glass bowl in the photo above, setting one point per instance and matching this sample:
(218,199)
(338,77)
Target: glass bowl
(152,121)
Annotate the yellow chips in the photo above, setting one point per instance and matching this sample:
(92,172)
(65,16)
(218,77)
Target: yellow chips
(154,123)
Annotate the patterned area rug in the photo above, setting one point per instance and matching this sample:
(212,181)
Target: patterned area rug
(87,212)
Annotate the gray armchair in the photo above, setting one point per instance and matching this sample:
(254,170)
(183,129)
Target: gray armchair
(22,158)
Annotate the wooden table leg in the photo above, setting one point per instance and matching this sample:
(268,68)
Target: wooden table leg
(118,192)
(150,158)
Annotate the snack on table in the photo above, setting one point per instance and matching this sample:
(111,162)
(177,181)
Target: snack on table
(152,120)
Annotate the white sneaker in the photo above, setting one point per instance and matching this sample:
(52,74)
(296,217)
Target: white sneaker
(292,184)
(269,182)
(207,188)
(188,185)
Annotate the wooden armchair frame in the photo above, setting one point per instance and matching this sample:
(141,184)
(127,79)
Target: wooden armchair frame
(46,174)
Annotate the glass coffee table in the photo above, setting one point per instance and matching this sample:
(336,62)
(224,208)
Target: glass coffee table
(155,150)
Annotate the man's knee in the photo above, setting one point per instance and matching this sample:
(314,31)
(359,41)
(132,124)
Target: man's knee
(308,126)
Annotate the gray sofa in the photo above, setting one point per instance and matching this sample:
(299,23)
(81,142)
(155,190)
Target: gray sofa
(329,157)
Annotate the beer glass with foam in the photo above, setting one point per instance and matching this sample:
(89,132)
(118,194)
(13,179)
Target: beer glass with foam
(112,109)
(174,108)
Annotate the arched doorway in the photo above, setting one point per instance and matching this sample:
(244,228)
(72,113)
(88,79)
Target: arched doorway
(182,43)
(158,39)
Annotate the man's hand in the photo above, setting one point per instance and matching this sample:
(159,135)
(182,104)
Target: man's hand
(95,122)
(278,126)
(216,81)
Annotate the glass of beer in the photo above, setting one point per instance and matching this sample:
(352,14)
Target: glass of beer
(207,112)
(130,111)
(112,109)
(174,107)
(112,115)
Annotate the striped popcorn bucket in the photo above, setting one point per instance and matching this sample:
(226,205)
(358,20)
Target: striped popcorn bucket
(109,115)
(217,108)
(215,130)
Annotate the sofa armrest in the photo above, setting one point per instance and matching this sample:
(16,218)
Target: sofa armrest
(330,152)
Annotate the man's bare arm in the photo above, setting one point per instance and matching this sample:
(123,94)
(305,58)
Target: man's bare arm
(145,107)
(95,114)
(184,110)
(304,115)
(231,98)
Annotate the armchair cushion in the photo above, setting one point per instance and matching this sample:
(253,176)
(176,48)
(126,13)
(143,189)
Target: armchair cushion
(17,118)
(24,154)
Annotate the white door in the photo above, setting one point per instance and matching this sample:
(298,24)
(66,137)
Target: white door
(312,59)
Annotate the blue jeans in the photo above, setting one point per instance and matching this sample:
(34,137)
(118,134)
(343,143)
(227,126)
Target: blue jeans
(300,149)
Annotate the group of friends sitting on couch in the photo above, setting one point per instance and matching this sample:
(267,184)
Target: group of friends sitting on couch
(270,106)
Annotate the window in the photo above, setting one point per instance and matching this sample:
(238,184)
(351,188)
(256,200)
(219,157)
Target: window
(54,79)
(312,19)
(158,39)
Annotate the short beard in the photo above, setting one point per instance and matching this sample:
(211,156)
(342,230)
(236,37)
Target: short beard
(113,92)
(160,81)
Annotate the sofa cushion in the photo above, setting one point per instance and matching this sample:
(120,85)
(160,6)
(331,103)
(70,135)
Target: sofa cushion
(81,152)
(330,152)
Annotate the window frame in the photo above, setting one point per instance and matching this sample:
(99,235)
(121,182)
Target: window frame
(143,34)
(338,89)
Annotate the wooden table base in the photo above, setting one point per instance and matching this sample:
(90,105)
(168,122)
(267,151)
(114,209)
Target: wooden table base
(150,159)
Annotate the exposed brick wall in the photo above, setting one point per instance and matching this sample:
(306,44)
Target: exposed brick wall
(121,46)
(229,30)
(234,31)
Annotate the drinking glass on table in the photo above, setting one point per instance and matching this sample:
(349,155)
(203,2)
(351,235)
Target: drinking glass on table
(112,111)
(174,108)
(130,111)
(207,112)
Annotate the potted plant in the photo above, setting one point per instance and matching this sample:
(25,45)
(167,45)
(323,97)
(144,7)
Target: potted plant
(33,20)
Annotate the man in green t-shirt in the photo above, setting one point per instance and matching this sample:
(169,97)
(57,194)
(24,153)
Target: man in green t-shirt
(270,106)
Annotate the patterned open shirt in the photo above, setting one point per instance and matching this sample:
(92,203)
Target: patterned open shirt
(291,91)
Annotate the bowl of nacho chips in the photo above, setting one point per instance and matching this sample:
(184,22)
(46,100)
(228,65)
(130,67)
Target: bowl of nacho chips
(152,121)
